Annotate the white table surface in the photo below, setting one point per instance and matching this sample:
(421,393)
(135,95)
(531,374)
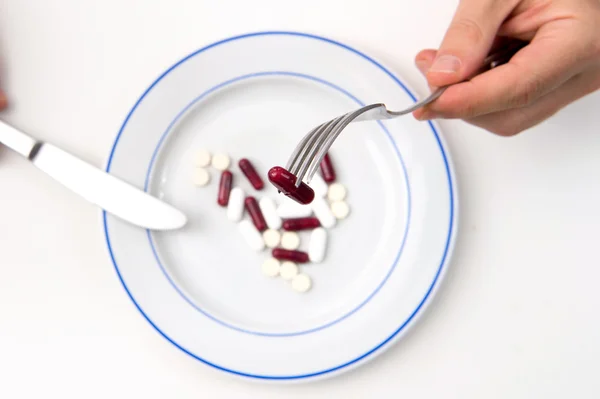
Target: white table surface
(517,316)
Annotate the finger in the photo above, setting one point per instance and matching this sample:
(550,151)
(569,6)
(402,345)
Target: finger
(511,122)
(548,61)
(468,40)
(527,16)
(424,60)
(3,100)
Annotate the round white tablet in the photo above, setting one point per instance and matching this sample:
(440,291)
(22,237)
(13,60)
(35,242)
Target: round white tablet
(340,209)
(272,238)
(290,240)
(221,161)
(201,177)
(288,270)
(270,267)
(336,192)
(301,283)
(202,159)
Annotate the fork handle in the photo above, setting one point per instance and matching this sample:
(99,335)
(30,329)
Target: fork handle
(500,57)
(490,62)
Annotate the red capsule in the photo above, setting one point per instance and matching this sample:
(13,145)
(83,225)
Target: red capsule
(301,224)
(327,169)
(224,188)
(255,214)
(293,256)
(286,183)
(250,172)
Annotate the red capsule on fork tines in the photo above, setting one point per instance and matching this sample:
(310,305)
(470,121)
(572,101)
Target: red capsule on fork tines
(285,182)
(327,169)
(250,172)
(298,224)
(255,214)
(291,255)
(224,188)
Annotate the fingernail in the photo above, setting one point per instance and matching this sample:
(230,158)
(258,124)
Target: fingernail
(446,64)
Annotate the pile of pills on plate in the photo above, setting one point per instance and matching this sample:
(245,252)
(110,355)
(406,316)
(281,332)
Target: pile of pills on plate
(266,223)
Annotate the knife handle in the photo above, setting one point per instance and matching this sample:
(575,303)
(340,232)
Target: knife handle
(17,140)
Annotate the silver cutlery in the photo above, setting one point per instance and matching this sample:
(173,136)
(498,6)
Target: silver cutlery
(93,184)
(308,154)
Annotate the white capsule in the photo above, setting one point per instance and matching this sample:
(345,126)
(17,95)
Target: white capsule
(251,235)
(288,270)
(290,240)
(291,209)
(336,192)
(235,208)
(269,211)
(322,211)
(317,245)
(318,185)
(301,283)
(221,161)
(201,177)
(270,267)
(340,209)
(272,238)
(202,159)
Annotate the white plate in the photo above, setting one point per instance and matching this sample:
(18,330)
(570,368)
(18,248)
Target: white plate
(201,288)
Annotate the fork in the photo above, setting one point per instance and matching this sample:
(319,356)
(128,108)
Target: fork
(313,147)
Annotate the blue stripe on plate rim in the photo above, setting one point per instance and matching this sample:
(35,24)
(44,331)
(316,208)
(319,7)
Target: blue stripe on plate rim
(443,262)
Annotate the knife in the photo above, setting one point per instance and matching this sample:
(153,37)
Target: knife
(93,184)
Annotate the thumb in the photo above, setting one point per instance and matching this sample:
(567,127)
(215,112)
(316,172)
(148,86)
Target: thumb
(468,40)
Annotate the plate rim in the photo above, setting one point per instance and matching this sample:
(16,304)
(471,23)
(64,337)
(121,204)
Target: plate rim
(429,295)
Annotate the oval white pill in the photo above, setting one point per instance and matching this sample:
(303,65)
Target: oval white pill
(288,270)
(290,240)
(272,238)
(221,161)
(270,267)
(301,283)
(317,245)
(235,208)
(291,209)
(269,211)
(201,177)
(318,185)
(337,192)
(202,158)
(251,235)
(340,209)
(322,211)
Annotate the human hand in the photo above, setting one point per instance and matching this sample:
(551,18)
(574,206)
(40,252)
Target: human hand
(3,100)
(560,65)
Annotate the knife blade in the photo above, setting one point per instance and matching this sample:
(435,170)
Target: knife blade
(108,192)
